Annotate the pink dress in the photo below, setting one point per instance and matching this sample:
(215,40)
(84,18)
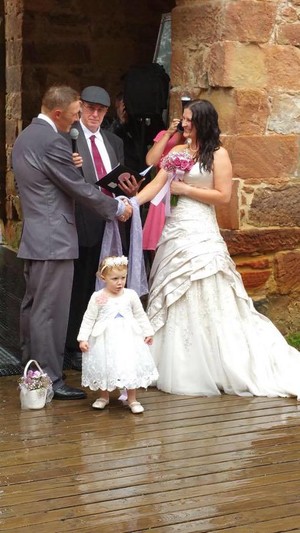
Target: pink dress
(155,220)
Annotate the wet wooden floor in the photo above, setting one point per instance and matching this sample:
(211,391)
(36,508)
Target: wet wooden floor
(221,464)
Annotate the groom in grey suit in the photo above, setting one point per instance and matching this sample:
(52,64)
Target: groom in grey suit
(49,184)
(95,102)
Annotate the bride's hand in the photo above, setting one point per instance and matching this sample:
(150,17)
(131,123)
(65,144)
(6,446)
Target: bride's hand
(179,187)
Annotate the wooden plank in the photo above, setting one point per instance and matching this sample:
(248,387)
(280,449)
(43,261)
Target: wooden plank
(187,464)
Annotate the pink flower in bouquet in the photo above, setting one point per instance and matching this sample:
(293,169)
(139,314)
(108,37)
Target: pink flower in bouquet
(177,163)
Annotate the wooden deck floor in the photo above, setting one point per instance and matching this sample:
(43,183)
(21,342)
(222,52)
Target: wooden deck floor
(221,464)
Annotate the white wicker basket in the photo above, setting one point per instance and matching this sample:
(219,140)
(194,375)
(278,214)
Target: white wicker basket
(32,399)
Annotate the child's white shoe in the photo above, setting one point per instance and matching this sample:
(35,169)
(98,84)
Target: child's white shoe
(100,403)
(136,407)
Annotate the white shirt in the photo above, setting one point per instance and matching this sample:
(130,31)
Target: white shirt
(47,119)
(100,145)
(105,157)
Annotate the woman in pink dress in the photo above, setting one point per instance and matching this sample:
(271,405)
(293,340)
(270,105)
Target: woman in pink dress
(164,141)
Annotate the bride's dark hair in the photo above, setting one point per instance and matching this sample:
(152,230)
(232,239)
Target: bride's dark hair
(205,120)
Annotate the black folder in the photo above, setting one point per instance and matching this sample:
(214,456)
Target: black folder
(111,181)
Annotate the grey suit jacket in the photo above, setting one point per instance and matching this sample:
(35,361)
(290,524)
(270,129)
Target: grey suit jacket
(49,184)
(90,228)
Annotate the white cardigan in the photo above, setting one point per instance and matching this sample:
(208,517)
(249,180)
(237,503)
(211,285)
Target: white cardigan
(102,309)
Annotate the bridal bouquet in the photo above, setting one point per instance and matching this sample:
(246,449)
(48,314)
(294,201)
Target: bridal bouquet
(177,163)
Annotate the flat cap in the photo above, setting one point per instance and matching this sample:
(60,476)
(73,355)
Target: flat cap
(95,95)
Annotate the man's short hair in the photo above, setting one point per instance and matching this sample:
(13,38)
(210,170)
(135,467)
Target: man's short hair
(59,96)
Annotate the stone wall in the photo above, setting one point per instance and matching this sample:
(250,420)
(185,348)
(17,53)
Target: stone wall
(244,57)
(2,121)
(13,124)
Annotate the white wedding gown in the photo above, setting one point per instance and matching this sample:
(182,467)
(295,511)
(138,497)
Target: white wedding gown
(208,336)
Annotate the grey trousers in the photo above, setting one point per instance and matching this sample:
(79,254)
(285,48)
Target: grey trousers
(44,314)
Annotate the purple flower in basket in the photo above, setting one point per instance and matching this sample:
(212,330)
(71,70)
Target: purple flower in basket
(35,380)
(177,163)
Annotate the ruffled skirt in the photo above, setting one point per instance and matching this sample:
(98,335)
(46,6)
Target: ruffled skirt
(118,358)
(209,337)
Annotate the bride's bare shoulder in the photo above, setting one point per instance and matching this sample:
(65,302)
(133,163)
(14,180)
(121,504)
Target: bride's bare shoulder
(221,153)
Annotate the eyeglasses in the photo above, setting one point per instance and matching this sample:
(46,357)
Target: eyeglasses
(94,108)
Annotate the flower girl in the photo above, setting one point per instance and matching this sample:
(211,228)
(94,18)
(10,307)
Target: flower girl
(114,336)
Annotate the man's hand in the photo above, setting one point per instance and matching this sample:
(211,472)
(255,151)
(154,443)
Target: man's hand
(127,213)
(77,160)
(129,185)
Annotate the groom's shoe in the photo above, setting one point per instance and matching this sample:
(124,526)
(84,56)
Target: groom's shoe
(68,393)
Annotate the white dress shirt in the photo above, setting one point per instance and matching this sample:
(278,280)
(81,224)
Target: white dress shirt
(100,145)
(47,119)
(104,155)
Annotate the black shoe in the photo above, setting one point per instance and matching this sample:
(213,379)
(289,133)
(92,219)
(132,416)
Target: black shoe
(68,393)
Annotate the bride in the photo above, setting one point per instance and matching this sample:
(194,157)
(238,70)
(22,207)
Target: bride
(208,336)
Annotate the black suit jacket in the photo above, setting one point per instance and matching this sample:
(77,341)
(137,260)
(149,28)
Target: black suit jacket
(89,227)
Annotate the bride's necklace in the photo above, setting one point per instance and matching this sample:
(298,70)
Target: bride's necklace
(193,150)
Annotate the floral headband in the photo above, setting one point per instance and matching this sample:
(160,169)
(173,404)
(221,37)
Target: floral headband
(112,262)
